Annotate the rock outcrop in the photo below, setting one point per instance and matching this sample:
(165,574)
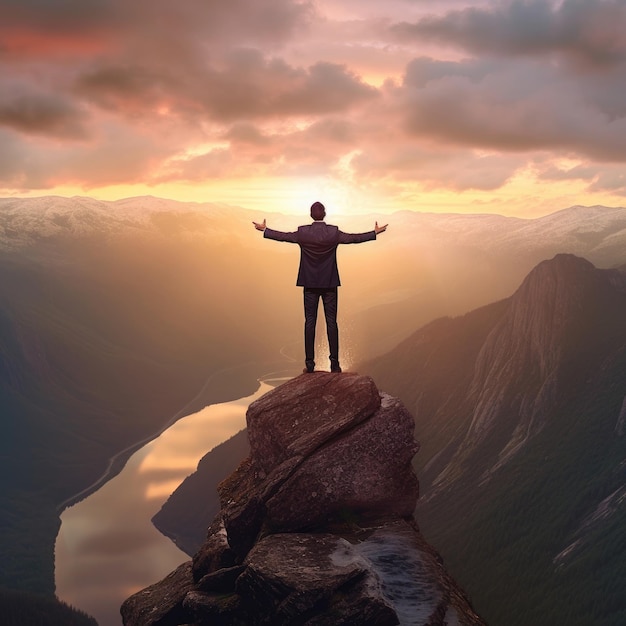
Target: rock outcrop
(316,527)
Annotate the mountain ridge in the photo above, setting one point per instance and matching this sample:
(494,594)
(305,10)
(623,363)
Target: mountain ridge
(524,454)
(577,227)
(534,336)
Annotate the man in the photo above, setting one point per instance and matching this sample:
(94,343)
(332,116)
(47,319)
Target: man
(319,275)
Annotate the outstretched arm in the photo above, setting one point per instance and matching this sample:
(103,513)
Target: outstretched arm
(361,237)
(277,235)
(380,229)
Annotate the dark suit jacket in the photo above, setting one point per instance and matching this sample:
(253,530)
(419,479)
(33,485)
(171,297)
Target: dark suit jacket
(318,251)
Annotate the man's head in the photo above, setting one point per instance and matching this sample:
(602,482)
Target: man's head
(318,211)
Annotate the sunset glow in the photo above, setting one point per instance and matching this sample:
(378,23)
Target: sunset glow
(507,107)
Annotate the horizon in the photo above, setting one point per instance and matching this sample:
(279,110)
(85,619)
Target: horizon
(303,210)
(463,106)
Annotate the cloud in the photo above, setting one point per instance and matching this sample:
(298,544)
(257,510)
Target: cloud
(467,93)
(151,24)
(248,151)
(552,172)
(115,154)
(437,168)
(610,179)
(598,177)
(243,86)
(592,32)
(212,164)
(26,109)
(247,134)
(512,105)
(249,86)
(12,160)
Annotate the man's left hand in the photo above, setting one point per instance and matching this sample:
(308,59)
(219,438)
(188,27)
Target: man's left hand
(260,226)
(380,229)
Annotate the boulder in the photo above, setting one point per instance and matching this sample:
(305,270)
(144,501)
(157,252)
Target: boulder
(302,414)
(215,553)
(161,603)
(363,474)
(294,577)
(324,448)
(316,527)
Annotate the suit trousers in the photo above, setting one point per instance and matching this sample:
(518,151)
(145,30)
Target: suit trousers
(311,301)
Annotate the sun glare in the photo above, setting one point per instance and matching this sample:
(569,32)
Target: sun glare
(526,194)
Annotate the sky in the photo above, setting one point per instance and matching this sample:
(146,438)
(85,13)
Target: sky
(511,107)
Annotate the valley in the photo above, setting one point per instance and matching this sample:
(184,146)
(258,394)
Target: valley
(113,317)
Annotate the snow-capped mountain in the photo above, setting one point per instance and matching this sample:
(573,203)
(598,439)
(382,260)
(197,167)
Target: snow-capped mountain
(24,221)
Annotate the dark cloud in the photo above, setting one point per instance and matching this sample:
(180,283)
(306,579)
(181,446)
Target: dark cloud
(246,133)
(245,85)
(126,88)
(58,16)
(322,88)
(238,22)
(131,22)
(249,86)
(424,70)
(589,31)
(33,112)
(512,106)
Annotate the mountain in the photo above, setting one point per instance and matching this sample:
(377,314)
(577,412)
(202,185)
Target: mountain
(430,265)
(114,321)
(118,317)
(316,525)
(521,407)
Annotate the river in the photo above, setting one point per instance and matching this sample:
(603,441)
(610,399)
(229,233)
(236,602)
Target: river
(107,548)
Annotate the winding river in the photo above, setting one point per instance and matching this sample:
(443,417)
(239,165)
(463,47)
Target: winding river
(107,547)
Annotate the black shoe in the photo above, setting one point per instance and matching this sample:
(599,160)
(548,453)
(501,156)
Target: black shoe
(309,369)
(334,367)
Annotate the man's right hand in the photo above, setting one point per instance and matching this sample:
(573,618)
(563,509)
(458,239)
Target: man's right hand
(380,229)
(261,226)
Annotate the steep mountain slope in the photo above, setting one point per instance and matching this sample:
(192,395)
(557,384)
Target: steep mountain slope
(185,516)
(520,408)
(111,324)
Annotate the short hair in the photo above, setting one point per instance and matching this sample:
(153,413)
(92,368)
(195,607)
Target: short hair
(318,211)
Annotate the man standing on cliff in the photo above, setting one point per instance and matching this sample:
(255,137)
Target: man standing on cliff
(319,275)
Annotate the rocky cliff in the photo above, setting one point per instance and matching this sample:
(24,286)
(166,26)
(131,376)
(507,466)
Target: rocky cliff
(316,526)
(521,407)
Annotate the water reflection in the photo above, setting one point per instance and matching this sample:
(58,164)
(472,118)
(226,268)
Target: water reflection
(107,548)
